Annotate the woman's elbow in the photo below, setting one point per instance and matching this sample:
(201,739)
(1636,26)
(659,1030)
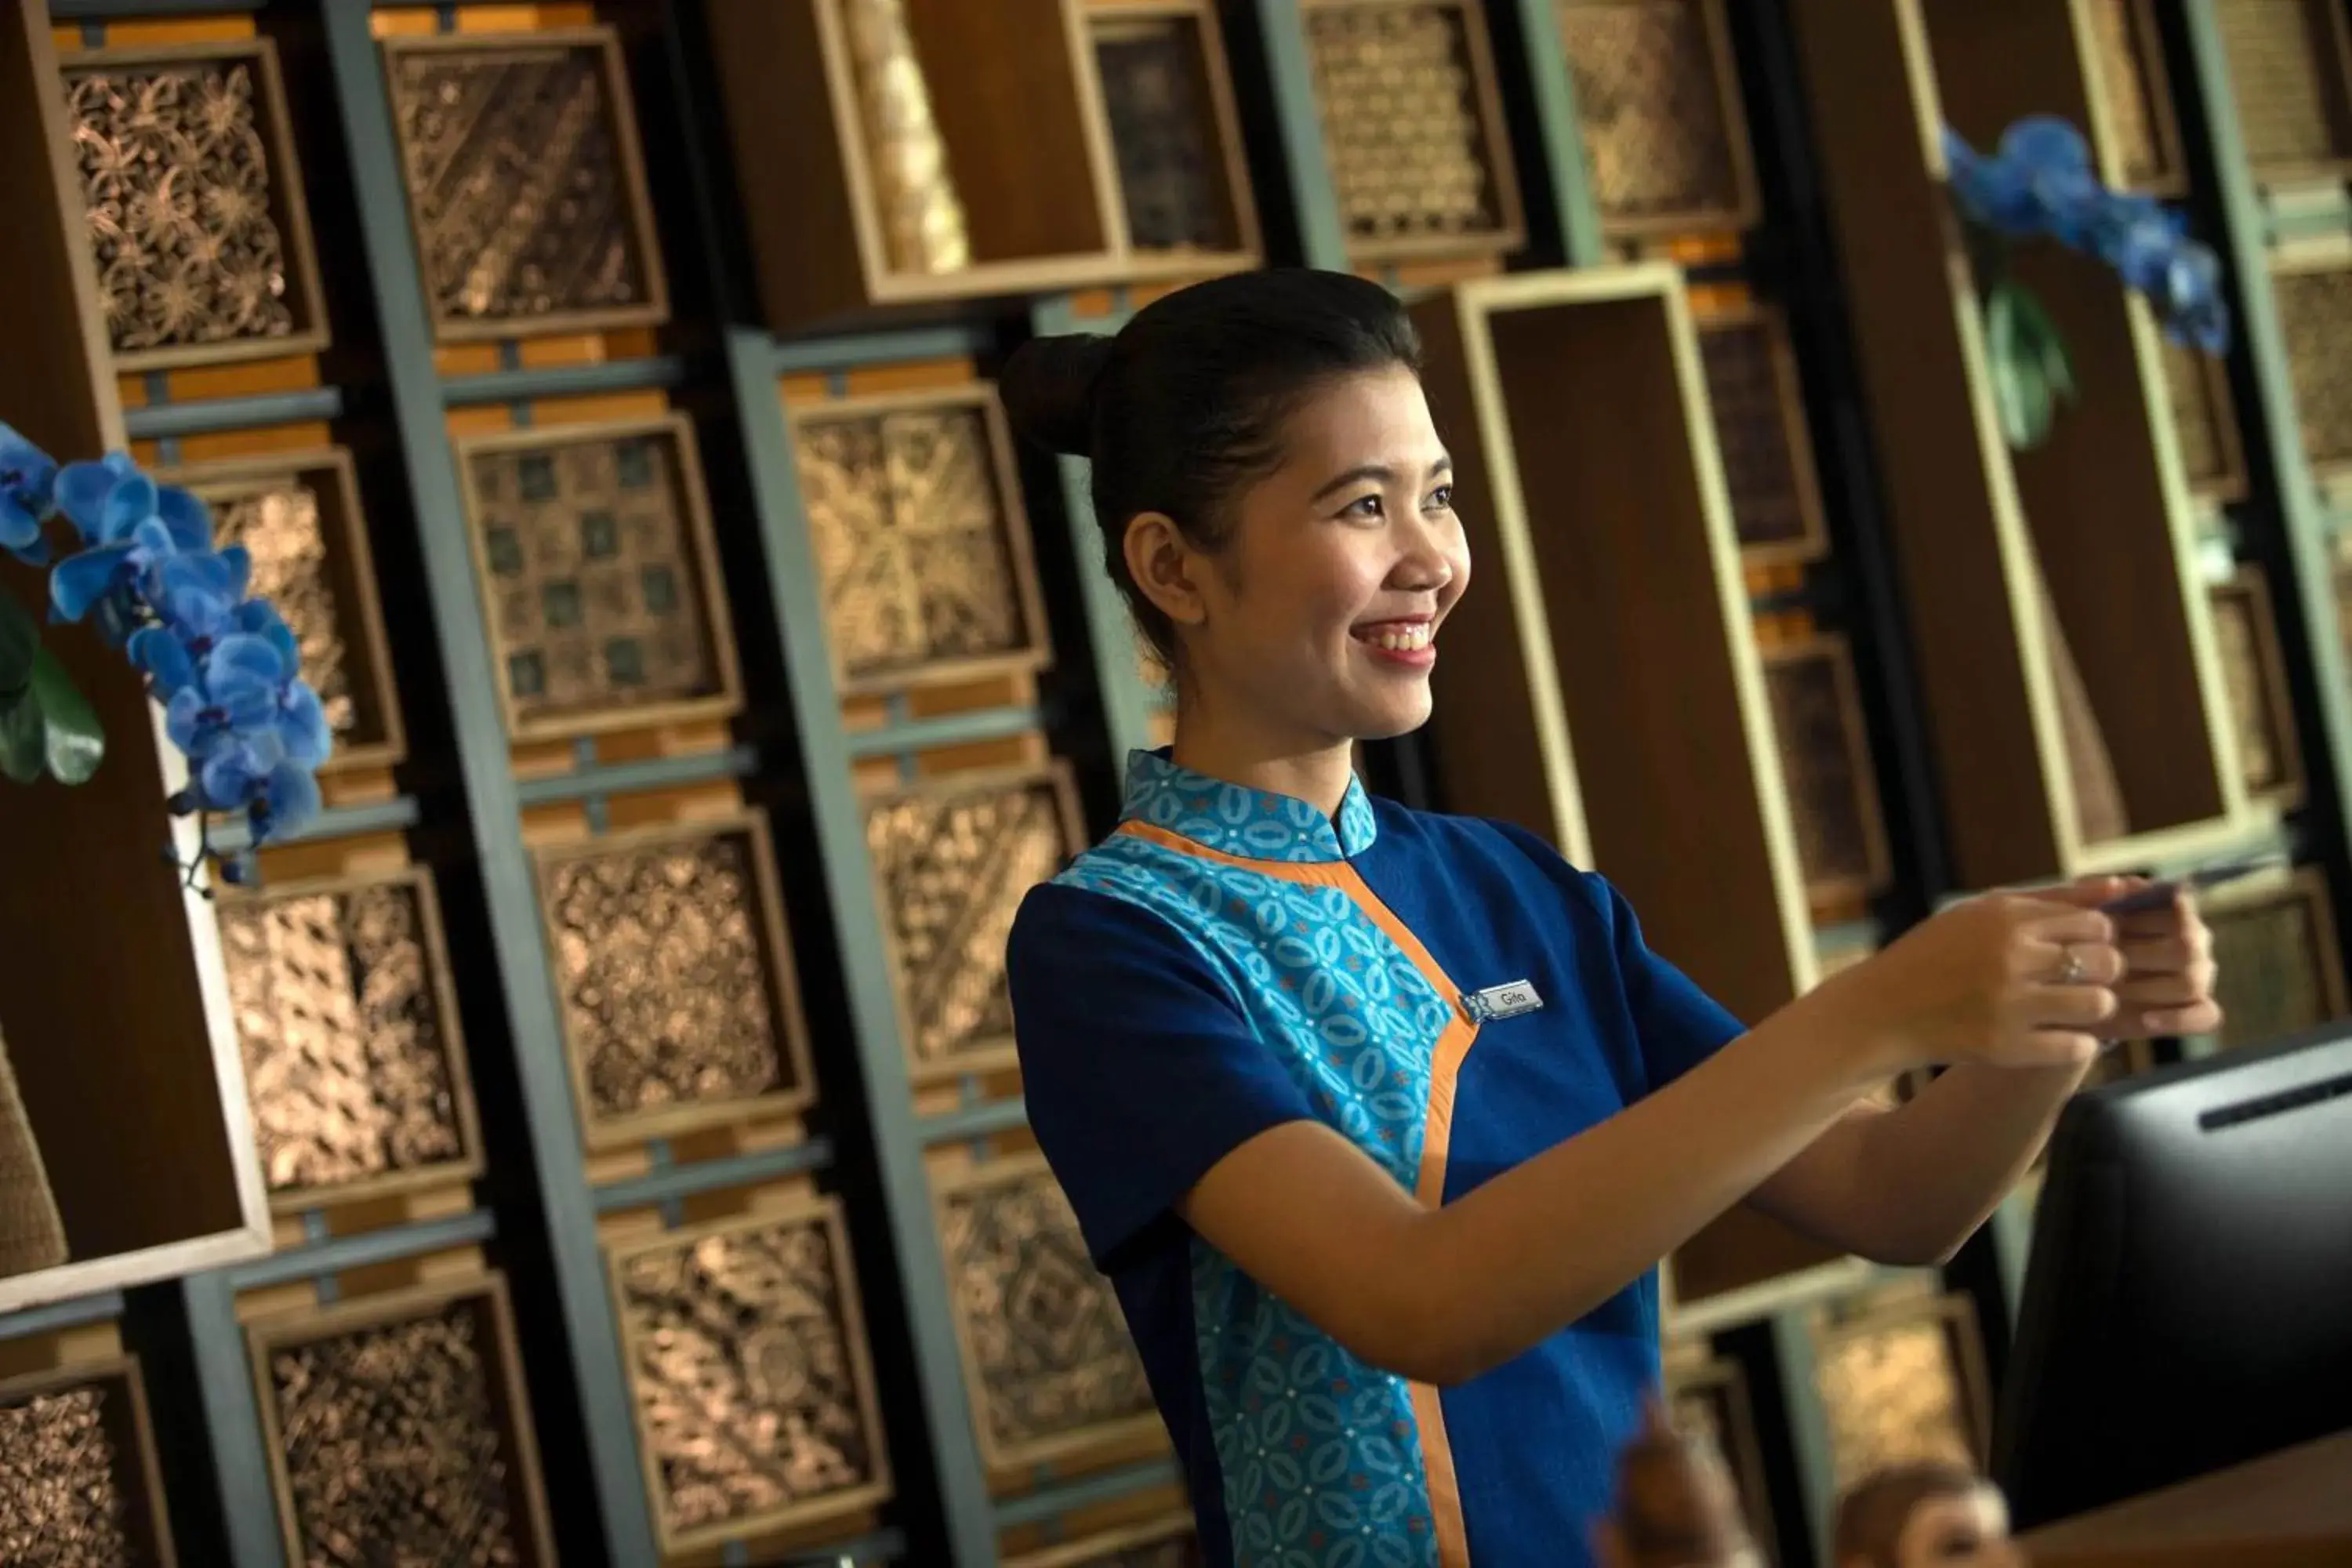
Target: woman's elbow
(1423,1333)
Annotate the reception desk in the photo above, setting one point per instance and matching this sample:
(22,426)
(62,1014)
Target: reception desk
(2292,1510)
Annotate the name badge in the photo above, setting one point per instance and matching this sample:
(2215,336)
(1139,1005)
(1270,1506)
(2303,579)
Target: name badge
(1506,1001)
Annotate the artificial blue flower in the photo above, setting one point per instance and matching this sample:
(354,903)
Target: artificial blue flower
(2044,143)
(29,481)
(1993,192)
(290,800)
(202,596)
(169,666)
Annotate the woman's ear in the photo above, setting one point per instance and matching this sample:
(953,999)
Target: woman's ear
(1163,564)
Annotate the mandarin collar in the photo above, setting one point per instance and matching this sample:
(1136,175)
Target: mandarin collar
(1233,820)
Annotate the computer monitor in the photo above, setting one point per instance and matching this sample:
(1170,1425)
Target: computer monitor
(2187,1304)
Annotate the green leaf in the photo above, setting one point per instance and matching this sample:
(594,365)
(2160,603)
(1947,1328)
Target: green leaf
(20,639)
(2020,393)
(2049,347)
(75,743)
(22,733)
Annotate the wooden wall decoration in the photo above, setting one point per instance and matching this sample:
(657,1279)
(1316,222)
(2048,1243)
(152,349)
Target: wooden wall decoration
(526,183)
(299,517)
(1904,1382)
(1665,128)
(2205,424)
(952,860)
(2138,129)
(2292,75)
(353,1057)
(2245,629)
(1159,1543)
(1053,1369)
(1175,132)
(1707,1396)
(194,197)
(1413,127)
(1825,760)
(599,576)
(756,1408)
(2314,291)
(1759,428)
(680,1002)
(2281,965)
(80,1486)
(921,539)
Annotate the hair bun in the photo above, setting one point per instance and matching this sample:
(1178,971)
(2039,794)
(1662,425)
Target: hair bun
(1049,386)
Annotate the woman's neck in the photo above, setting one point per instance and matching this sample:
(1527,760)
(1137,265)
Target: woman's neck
(1317,773)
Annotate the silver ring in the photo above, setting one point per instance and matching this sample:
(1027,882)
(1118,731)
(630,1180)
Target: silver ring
(2072,974)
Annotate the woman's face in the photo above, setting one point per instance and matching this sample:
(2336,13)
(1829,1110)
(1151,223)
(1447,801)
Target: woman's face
(1318,618)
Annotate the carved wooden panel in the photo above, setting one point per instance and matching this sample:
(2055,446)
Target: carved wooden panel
(526,183)
(1052,1366)
(922,546)
(2279,970)
(400,1431)
(2126,56)
(194,198)
(924,226)
(1906,1383)
(2205,423)
(680,1004)
(2314,311)
(952,860)
(755,1393)
(1759,429)
(78,1483)
(298,516)
(2245,635)
(354,1064)
(1825,761)
(593,545)
(1162,1543)
(1174,130)
(2288,67)
(1666,131)
(1413,126)
(1707,1397)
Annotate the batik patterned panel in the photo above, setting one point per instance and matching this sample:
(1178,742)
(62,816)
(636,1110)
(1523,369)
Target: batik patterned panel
(1825,765)
(595,554)
(1052,1364)
(77,1482)
(2278,969)
(525,182)
(1414,160)
(352,1061)
(679,1001)
(2288,67)
(755,1397)
(400,1432)
(953,861)
(921,545)
(1665,130)
(1760,428)
(1904,1385)
(1164,129)
(2315,312)
(194,198)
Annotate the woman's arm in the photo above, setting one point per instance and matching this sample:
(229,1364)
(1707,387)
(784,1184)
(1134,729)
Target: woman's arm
(1440,1294)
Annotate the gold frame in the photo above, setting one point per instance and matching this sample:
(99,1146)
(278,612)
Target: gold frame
(510,1399)
(698,534)
(122,1369)
(827,1212)
(1223,129)
(1510,230)
(433,937)
(1003,1171)
(601,1134)
(1832,649)
(290,205)
(2252,585)
(1746,209)
(1813,542)
(1055,776)
(621,119)
(351,569)
(1037,650)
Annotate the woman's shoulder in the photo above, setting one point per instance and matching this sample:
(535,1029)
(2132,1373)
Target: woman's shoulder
(1489,849)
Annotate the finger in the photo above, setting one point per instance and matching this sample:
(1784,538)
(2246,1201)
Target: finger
(2165,990)
(2203,1018)
(2080,1007)
(2167,920)
(2049,1048)
(2093,962)
(2163,955)
(2090,892)
(2064,923)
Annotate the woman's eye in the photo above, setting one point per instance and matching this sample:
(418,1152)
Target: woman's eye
(1363,506)
(1442,499)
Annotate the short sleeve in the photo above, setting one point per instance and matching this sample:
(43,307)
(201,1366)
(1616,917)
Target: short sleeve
(1140,1069)
(1678,1024)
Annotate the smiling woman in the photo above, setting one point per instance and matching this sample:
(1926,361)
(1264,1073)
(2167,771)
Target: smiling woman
(1380,1121)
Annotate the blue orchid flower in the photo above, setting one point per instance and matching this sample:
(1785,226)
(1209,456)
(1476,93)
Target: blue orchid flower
(28,482)
(129,524)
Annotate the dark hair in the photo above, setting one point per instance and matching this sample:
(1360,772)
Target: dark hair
(1183,407)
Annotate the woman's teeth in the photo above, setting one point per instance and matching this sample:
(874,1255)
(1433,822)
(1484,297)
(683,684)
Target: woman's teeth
(1399,640)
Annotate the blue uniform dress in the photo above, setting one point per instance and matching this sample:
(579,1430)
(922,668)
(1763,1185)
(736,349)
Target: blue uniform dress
(1231,960)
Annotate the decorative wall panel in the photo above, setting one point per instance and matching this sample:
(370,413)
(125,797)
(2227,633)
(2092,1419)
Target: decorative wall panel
(1412,126)
(2279,970)
(2204,422)
(526,186)
(1052,1366)
(599,576)
(2127,54)
(680,1004)
(923,223)
(79,1484)
(2288,65)
(1708,1398)
(1164,1544)
(400,1432)
(1826,760)
(298,516)
(353,1061)
(755,1395)
(2245,634)
(2314,311)
(922,542)
(952,860)
(1759,429)
(1173,129)
(1903,1384)
(1666,132)
(194,197)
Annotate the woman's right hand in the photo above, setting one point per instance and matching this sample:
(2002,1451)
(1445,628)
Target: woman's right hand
(2015,980)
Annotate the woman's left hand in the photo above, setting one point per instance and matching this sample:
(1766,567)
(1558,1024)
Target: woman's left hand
(2168,983)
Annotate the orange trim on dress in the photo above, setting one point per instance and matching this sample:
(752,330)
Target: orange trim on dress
(1437,1131)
